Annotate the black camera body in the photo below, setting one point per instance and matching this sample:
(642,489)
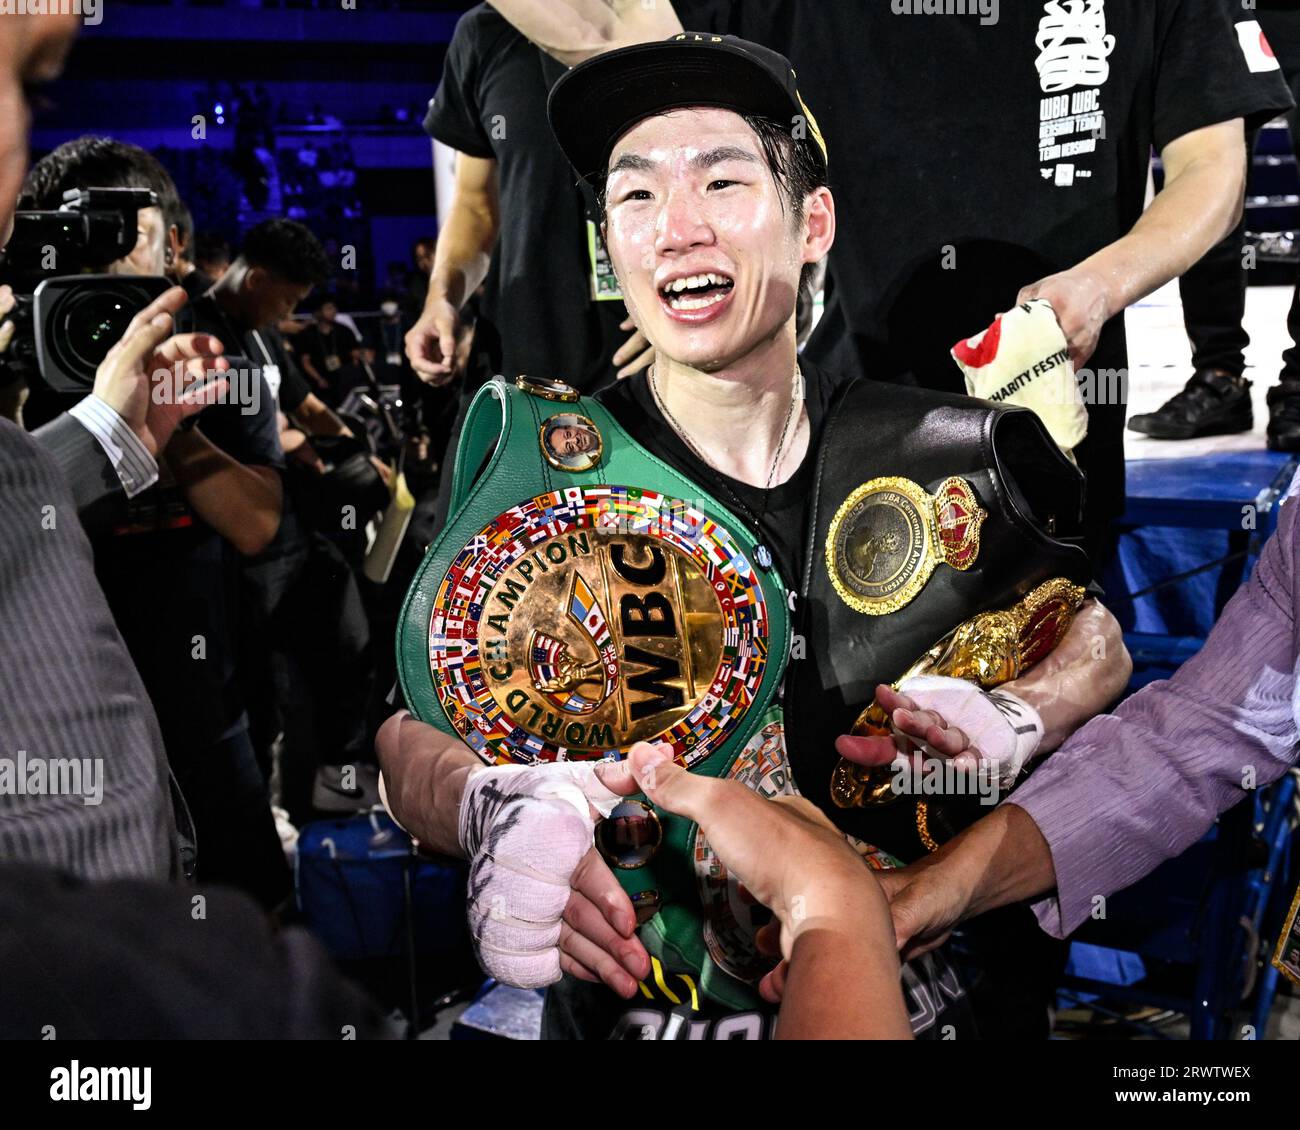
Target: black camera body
(66,321)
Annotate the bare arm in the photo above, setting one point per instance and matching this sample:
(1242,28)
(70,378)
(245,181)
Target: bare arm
(460,265)
(424,777)
(1086,673)
(1203,197)
(241,503)
(574,30)
(464,251)
(316,418)
(1000,859)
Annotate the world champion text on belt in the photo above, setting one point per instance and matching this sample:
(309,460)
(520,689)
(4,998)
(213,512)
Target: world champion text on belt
(889,536)
(586,619)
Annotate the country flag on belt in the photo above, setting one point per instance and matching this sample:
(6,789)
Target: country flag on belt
(584,608)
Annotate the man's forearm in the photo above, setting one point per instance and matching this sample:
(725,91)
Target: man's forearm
(1000,859)
(574,30)
(314,417)
(424,773)
(243,504)
(1086,673)
(1200,204)
(464,253)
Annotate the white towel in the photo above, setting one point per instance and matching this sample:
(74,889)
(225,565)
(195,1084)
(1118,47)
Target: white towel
(1023,358)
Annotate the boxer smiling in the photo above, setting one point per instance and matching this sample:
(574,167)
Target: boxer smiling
(714,188)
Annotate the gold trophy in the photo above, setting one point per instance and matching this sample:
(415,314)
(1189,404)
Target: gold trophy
(988,650)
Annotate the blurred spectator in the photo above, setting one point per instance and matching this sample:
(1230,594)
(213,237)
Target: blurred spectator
(184,270)
(324,348)
(309,656)
(211,254)
(417,285)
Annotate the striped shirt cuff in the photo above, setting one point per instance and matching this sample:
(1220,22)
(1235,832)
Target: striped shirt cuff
(137,469)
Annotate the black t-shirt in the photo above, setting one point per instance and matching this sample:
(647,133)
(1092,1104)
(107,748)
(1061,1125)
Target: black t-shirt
(781,513)
(969,159)
(196,283)
(1035,130)
(172,581)
(330,348)
(267,347)
(491,103)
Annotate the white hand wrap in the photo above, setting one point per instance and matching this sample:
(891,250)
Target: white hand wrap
(1005,729)
(524,830)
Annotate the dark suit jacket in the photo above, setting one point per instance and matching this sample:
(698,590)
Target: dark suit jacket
(68,688)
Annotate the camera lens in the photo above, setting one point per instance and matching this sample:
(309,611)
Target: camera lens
(88,323)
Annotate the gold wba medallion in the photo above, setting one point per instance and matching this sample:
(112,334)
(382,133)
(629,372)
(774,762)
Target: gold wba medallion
(889,536)
(587,619)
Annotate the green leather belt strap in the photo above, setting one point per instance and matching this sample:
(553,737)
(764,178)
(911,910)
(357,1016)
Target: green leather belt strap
(499,465)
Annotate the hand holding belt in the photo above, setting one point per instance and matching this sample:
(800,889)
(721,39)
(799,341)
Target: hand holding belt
(989,649)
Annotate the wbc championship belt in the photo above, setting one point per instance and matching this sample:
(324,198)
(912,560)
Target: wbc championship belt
(584,596)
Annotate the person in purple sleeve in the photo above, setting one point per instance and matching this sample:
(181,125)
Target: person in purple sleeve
(1132,788)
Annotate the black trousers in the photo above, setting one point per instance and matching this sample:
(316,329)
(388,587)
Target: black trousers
(317,664)
(1214,290)
(234,830)
(1214,300)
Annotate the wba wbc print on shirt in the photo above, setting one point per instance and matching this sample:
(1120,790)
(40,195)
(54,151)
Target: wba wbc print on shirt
(1074,49)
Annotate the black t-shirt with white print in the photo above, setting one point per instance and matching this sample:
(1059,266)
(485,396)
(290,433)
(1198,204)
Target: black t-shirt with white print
(1035,130)
(971,158)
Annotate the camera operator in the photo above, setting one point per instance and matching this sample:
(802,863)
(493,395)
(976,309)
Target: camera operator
(170,567)
(69,688)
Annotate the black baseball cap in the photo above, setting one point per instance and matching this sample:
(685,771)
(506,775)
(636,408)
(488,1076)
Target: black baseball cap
(598,101)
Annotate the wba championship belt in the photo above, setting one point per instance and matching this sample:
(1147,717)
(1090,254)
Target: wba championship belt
(584,596)
(929,509)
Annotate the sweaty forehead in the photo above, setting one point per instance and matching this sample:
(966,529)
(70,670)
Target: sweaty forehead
(686,131)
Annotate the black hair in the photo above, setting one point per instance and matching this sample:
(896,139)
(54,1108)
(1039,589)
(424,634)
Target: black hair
(99,162)
(796,166)
(185,231)
(210,248)
(288,249)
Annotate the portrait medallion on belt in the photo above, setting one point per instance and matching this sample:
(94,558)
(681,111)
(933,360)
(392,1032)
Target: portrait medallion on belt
(889,536)
(571,442)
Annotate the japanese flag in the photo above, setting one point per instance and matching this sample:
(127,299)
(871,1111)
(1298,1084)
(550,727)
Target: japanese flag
(1255,46)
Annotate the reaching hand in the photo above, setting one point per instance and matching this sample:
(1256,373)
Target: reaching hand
(154,379)
(431,343)
(634,354)
(785,851)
